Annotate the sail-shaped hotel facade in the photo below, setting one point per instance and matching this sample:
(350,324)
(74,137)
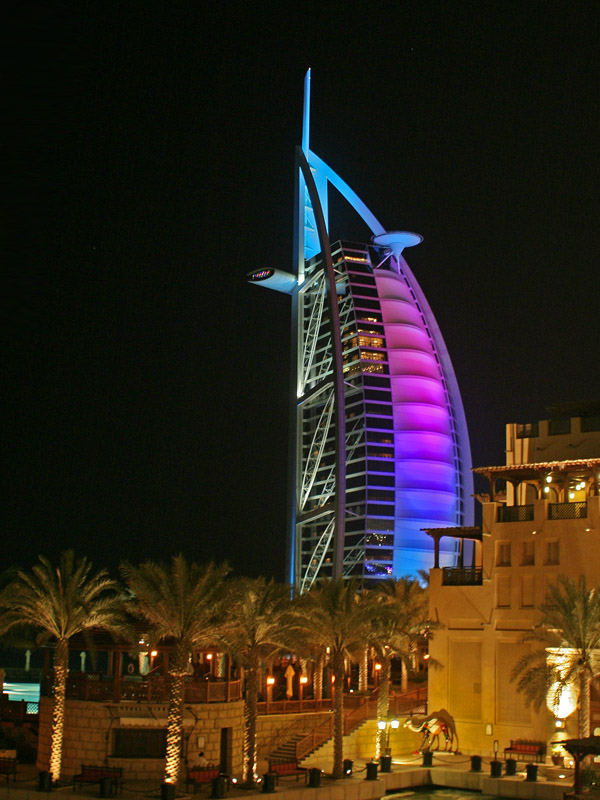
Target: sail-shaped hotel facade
(380,447)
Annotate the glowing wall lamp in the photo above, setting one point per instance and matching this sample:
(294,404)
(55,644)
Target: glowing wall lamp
(561,700)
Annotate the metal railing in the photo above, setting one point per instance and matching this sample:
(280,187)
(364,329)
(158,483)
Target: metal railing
(567,510)
(18,711)
(293,706)
(462,576)
(414,702)
(515,513)
(364,707)
(81,686)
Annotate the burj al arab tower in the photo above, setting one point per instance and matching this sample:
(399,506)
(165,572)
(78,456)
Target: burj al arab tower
(380,442)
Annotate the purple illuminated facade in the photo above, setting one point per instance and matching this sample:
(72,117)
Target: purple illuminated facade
(380,443)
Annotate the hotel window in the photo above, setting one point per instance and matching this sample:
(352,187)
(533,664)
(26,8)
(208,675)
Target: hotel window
(527,591)
(503,554)
(528,554)
(552,553)
(370,341)
(503,588)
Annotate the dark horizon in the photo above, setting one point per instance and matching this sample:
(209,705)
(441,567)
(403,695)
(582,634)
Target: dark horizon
(151,167)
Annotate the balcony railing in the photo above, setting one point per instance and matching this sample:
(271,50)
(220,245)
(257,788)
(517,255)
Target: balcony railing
(567,510)
(515,513)
(462,576)
(293,706)
(81,686)
(18,711)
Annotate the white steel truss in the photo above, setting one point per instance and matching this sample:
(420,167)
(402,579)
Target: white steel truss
(317,446)
(311,334)
(317,557)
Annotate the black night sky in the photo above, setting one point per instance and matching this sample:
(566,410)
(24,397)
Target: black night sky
(149,154)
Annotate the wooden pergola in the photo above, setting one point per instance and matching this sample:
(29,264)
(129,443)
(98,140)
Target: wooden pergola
(472,532)
(580,749)
(562,474)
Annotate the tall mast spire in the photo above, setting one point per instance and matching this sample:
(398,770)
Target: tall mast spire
(306,115)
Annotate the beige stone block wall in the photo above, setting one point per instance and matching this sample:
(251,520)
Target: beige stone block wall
(360,746)
(273,729)
(87,737)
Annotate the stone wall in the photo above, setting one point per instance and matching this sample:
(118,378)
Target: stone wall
(89,726)
(274,729)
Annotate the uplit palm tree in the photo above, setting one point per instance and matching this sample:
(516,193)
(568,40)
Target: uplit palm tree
(334,615)
(60,602)
(180,602)
(399,619)
(255,629)
(569,623)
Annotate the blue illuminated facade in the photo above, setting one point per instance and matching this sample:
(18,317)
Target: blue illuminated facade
(380,448)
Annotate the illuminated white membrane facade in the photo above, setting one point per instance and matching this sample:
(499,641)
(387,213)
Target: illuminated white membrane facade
(406,449)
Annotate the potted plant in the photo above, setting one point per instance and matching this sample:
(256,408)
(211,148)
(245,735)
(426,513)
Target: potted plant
(558,755)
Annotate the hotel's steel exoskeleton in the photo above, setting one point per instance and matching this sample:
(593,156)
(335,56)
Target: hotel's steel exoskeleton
(380,443)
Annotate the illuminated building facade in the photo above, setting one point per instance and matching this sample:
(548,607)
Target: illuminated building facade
(540,520)
(380,443)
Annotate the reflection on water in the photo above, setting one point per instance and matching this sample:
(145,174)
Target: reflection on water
(427,793)
(30,692)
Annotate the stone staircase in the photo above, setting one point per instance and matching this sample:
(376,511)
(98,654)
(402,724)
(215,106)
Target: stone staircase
(360,735)
(286,750)
(359,745)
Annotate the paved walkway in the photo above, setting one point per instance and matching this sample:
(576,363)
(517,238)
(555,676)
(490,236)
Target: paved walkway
(447,770)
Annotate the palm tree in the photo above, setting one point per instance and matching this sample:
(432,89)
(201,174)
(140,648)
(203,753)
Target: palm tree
(179,602)
(60,602)
(255,629)
(570,627)
(334,615)
(399,619)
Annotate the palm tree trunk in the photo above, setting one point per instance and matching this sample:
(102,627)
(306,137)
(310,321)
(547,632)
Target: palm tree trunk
(318,679)
(338,716)
(363,671)
(383,703)
(61,669)
(175,717)
(251,714)
(404,676)
(584,704)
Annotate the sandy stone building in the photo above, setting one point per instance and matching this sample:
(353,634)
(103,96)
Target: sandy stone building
(541,519)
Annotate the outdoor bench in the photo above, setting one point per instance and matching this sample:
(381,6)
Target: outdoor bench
(98,774)
(284,768)
(526,750)
(8,767)
(199,776)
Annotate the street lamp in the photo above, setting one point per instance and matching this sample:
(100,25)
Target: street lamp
(303,682)
(387,726)
(270,684)
(376,671)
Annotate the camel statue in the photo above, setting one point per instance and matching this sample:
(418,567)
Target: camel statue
(431,726)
